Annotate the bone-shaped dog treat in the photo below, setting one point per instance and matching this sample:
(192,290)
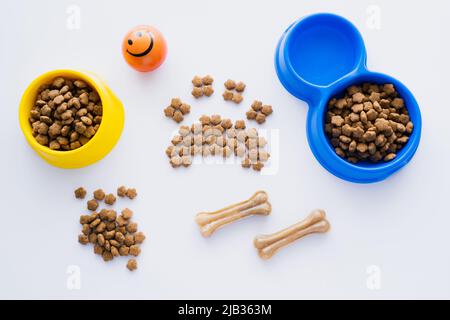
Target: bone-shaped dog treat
(268,245)
(209,222)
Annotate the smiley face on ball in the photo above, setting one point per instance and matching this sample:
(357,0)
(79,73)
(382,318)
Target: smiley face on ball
(140,43)
(144,48)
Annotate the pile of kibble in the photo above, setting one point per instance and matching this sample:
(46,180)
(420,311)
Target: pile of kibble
(214,135)
(259,112)
(177,110)
(202,86)
(66,114)
(369,123)
(233,91)
(112,235)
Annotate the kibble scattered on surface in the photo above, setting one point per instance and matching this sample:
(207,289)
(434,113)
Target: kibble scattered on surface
(99,194)
(197,92)
(230,84)
(127,213)
(259,112)
(240,87)
(227,95)
(66,114)
(112,235)
(202,86)
(92,204)
(80,193)
(214,135)
(233,91)
(132,264)
(207,80)
(131,193)
(237,98)
(208,90)
(197,81)
(177,110)
(122,191)
(110,199)
(368,123)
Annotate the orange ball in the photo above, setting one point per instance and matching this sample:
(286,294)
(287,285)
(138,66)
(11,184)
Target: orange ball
(144,48)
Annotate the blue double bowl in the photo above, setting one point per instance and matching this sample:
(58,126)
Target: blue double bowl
(317,58)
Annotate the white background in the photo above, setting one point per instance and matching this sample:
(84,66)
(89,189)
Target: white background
(400,226)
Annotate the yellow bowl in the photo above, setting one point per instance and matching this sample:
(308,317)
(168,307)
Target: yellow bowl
(101,143)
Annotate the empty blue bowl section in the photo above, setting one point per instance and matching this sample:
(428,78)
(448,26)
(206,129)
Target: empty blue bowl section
(317,58)
(327,45)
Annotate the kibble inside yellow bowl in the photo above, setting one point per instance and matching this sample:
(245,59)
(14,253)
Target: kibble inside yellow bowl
(99,145)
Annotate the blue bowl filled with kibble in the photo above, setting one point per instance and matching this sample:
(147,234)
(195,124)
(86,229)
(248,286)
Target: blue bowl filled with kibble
(362,126)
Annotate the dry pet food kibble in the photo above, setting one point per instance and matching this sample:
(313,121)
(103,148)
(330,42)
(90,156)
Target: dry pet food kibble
(92,204)
(229,95)
(131,193)
(122,191)
(230,84)
(66,115)
(112,235)
(237,98)
(132,264)
(110,199)
(240,87)
(127,213)
(369,123)
(177,110)
(259,112)
(208,91)
(214,135)
(80,193)
(197,81)
(202,86)
(99,194)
